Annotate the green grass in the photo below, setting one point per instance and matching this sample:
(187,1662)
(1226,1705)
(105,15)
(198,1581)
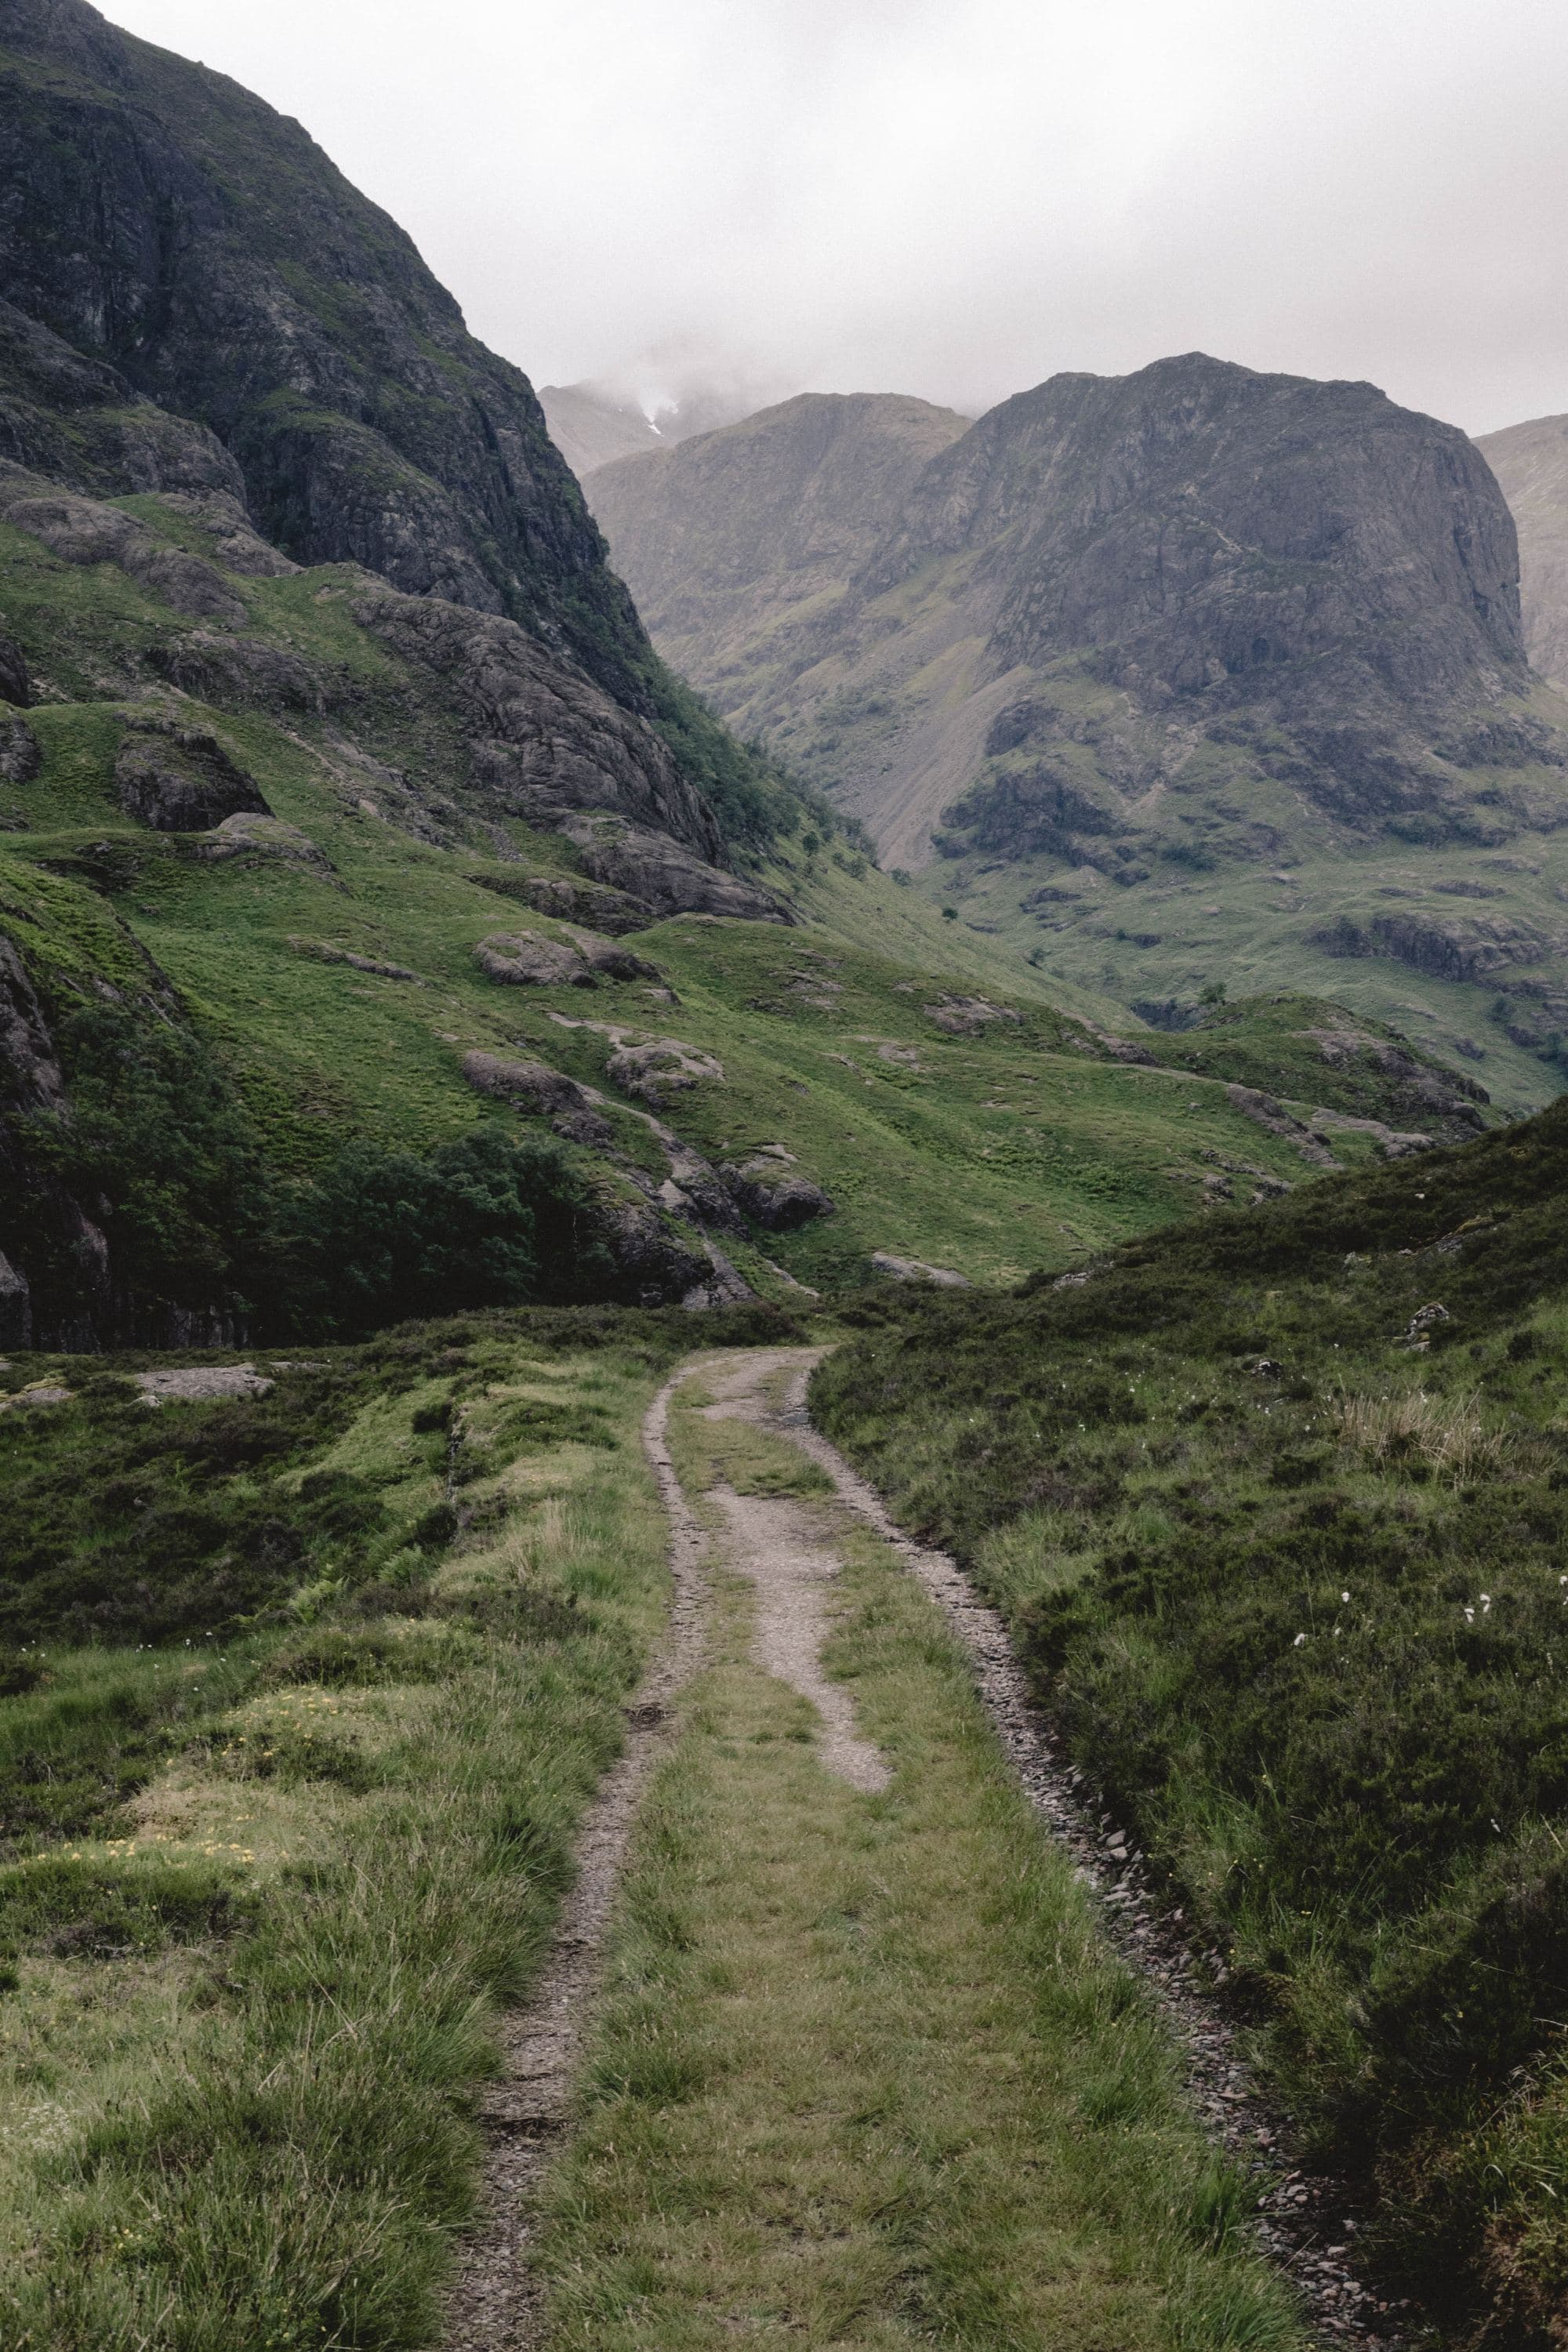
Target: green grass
(1305,1627)
(256,1929)
(865,2074)
(1026,1144)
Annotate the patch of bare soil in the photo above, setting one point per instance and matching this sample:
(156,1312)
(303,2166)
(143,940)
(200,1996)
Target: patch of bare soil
(773,1542)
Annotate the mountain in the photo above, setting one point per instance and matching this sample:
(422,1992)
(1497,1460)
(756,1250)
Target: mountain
(1530,462)
(593,424)
(380,921)
(590,428)
(739,541)
(1190,675)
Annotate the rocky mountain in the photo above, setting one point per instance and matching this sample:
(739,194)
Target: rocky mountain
(739,541)
(356,849)
(1530,462)
(1160,669)
(593,424)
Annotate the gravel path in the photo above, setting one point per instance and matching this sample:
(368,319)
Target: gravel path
(494,2303)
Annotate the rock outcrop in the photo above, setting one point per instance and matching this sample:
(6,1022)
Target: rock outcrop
(177,780)
(21,757)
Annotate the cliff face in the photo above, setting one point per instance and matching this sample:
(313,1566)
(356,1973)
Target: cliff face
(160,219)
(1530,462)
(1128,632)
(1225,550)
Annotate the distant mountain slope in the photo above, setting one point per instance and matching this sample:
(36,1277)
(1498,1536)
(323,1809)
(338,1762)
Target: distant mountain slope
(1127,632)
(739,539)
(590,430)
(1530,462)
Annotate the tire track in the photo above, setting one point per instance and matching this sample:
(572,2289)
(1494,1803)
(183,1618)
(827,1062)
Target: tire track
(495,2300)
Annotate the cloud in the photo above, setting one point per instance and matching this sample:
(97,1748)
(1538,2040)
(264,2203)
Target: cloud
(957,197)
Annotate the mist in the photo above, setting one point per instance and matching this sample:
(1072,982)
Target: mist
(954,198)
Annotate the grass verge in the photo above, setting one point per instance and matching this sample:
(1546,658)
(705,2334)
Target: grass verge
(1277,1510)
(253,1965)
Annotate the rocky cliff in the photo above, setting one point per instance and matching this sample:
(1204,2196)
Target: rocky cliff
(1126,632)
(1530,462)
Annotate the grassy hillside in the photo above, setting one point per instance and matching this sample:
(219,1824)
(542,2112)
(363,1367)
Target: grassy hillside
(1275,1504)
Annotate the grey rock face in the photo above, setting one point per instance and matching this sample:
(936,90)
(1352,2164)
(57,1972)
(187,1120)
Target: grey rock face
(15,1307)
(20,756)
(1530,462)
(545,742)
(83,530)
(255,838)
(529,960)
(661,1068)
(181,781)
(666,875)
(139,201)
(610,912)
(234,672)
(778,1198)
(15,687)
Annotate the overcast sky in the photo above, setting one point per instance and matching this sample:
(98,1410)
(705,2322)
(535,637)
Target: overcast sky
(957,197)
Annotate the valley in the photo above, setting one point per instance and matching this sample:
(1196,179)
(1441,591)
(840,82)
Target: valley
(1130,674)
(782,1321)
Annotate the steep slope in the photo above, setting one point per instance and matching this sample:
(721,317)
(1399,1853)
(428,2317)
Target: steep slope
(1530,462)
(311,880)
(739,544)
(1125,632)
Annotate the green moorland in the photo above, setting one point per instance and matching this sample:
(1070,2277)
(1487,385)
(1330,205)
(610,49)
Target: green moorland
(1027,1143)
(867,2073)
(1278,1507)
(283,1824)
(1453,940)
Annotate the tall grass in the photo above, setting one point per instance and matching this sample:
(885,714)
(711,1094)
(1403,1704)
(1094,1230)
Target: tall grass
(254,1990)
(1296,1593)
(865,2074)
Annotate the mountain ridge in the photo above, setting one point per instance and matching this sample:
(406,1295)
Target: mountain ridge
(1125,631)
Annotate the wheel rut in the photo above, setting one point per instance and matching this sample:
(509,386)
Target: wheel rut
(495,2300)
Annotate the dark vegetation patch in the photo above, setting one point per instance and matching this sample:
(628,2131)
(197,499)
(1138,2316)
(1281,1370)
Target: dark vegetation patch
(1287,1558)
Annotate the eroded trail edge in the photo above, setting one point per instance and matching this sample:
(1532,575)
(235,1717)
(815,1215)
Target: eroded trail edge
(1300,2223)
(494,2303)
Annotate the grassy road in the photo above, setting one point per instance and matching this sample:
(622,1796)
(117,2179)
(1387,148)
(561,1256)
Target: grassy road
(866,2072)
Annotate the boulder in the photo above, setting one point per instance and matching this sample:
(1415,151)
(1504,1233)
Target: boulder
(529,960)
(662,1067)
(775,1196)
(914,1269)
(966,1016)
(177,780)
(531,1087)
(604,910)
(256,837)
(667,876)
